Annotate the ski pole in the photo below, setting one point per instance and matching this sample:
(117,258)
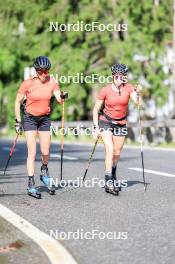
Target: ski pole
(90,158)
(11,153)
(141,142)
(62,142)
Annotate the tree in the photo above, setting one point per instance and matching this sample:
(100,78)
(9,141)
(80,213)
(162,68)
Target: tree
(26,34)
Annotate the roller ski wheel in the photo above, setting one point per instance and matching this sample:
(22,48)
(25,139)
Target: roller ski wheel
(32,191)
(51,192)
(114,190)
(117,184)
(46,180)
(110,186)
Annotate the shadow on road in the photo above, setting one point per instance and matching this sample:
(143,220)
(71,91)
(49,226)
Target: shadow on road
(2,182)
(131,183)
(12,176)
(11,194)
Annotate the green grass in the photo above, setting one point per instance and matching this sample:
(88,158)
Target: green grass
(166,145)
(88,139)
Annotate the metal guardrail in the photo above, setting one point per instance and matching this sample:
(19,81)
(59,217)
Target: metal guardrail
(145,124)
(154,131)
(85,124)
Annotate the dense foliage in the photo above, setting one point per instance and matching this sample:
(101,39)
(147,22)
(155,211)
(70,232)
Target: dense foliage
(25,34)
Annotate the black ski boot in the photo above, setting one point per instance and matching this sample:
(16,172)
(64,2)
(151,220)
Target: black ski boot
(32,190)
(114,175)
(110,187)
(47,180)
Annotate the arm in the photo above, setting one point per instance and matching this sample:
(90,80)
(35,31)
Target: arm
(136,97)
(18,100)
(96,110)
(57,95)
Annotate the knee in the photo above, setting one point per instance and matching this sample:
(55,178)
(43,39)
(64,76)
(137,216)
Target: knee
(117,152)
(109,151)
(31,154)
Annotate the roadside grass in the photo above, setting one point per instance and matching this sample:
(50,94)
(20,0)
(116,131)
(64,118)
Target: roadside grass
(85,139)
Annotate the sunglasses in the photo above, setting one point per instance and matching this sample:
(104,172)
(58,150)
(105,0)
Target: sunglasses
(119,77)
(43,72)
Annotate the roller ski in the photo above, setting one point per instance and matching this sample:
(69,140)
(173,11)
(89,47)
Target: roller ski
(114,175)
(32,190)
(110,186)
(47,180)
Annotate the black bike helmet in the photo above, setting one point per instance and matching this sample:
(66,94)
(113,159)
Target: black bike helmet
(119,68)
(42,63)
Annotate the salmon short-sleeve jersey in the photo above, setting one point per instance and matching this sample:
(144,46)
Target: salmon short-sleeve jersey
(38,95)
(115,103)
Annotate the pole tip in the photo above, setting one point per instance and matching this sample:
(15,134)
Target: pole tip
(145,187)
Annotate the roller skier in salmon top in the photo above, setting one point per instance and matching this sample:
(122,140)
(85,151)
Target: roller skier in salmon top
(110,120)
(38,92)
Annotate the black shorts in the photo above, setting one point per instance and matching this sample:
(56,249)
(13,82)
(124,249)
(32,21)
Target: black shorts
(34,123)
(116,129)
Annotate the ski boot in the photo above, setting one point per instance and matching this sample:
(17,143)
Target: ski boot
(32,190)
(115,178)
(110,187)
(47,180)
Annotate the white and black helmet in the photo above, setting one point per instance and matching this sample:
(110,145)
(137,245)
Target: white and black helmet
(119,68)
(42,63)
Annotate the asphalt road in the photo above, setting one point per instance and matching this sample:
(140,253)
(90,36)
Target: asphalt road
(145,220)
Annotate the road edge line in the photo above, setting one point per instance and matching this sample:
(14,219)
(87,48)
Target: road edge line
(54,250)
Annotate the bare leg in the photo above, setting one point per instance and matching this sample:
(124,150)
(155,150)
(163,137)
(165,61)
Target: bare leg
(44,137)
(31,145)
(108,143)
(118,143)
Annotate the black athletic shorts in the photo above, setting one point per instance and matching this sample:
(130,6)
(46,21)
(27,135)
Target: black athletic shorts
(33,123)
(116,129)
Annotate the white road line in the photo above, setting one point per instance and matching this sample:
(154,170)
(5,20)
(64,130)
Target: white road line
(56,253)
(150,148)
(8,149)
(154,172)
(52,155)
(58,156)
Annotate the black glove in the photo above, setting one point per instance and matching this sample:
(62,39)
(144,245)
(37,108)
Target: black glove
(19,127)
(64,95)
